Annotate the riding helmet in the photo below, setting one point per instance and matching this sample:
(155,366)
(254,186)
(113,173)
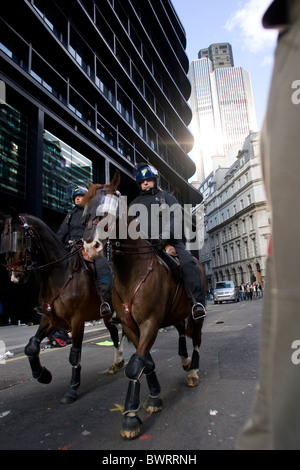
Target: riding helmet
(79,191)
(143,172)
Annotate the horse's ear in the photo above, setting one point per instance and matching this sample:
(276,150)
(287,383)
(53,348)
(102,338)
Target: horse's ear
(89,183)
(115,182)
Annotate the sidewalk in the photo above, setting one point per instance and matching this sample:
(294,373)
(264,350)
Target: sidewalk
(16,337)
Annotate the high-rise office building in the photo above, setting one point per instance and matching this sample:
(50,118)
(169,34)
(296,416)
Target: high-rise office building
(220,55)
(223,109)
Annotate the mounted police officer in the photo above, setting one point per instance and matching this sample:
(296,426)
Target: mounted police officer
(70,231)
(146,176)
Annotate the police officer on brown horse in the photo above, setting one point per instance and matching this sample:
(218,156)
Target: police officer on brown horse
(70,231)
(146,176)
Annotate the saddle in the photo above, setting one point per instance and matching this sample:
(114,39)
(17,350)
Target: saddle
(169,258)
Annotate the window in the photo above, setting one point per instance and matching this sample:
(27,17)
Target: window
(106,131)
(104,29)
(81,108)
(54,19)
(125,149)
(63,168)
(149,96)
(88,5)
(138,79)
(123,57)
(121,14)
(124,105)
(147,60)
(139,123)
(47,77)
(105,82)
(151,137)
(81,53)
(13,145)
(13,46)
(135,39)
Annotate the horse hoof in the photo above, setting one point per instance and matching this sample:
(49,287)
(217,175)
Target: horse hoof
(68,398)
(192,381)
(153,405)
(131,427)
(45,377)
(114,368)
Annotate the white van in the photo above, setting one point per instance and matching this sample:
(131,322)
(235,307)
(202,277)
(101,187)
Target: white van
(226,291)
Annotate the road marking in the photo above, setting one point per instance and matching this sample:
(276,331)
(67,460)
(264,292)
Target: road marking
(118,408)
(45,351)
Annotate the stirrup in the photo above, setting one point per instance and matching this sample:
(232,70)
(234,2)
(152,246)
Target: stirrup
(194,310)
(105,309)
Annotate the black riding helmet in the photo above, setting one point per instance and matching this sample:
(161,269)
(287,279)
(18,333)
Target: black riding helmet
(143,172)
(79,191)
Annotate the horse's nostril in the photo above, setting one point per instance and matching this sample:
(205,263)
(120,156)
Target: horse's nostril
(96,245)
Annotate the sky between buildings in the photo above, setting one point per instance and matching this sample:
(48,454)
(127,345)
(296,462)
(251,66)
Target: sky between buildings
(238,22)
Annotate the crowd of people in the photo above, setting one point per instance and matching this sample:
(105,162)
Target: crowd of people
(250,291)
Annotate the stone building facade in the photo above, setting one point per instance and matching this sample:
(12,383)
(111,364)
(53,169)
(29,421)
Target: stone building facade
(237,219)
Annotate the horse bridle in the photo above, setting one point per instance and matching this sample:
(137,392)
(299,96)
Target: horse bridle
(10,244)
(31,238)
(115,245)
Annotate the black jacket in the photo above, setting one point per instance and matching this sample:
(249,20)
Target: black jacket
(72,227)
(160,222)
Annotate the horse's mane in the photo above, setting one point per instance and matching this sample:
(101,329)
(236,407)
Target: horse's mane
(90,194)
(36,220)
(113,185)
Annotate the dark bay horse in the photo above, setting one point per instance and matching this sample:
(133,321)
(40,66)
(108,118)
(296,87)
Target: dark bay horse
(68,295)
(145,296)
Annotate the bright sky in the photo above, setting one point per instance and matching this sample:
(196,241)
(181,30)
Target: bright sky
(239,23)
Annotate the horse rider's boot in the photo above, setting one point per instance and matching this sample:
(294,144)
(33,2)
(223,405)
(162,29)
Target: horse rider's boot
(105,308)
(198,311)
(115,320)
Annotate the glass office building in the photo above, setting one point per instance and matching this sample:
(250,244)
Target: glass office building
(223,107)
(91,86)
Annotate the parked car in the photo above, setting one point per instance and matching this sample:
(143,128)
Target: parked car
(226,291)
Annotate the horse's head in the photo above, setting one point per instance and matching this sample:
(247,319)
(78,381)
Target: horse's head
(101,213)
(16,246)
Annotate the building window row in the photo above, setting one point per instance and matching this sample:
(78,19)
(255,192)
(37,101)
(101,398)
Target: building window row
(233,231)
(63,167)
(227,213)
(84,55)
(240,250)
(62,89)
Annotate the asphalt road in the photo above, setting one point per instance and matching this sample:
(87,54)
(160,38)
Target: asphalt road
(208,417)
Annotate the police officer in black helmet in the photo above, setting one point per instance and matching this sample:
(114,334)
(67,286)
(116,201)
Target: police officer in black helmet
(70,231)
(146,176)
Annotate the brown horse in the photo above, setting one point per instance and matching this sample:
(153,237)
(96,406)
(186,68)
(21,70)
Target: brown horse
(145,296)
(68,295)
